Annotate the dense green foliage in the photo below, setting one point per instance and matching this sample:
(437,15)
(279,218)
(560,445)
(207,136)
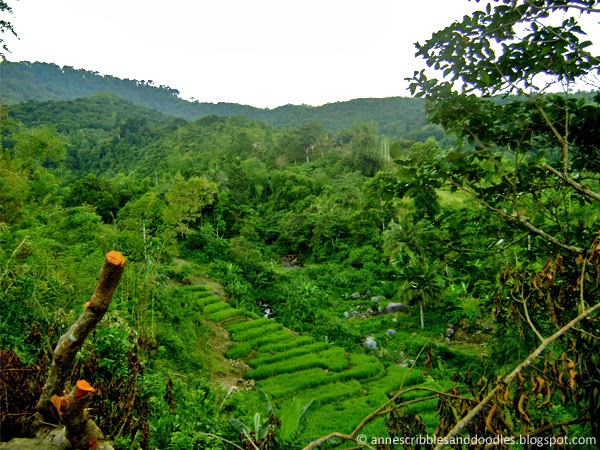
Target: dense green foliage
(395,116)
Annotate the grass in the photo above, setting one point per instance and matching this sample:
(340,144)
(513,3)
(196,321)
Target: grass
(214,307)
(196,288)
(283,346)
(363,367)
(253,333)
(345,387)
(292,383)
(333,359)
(247,325)
(242,349)
(239,351)
(332,392)
(204,301)
(288,354)
(343,416)
(225,314)
(395,377)
(278,337)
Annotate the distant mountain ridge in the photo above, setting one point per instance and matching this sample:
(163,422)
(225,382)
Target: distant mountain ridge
(37,81)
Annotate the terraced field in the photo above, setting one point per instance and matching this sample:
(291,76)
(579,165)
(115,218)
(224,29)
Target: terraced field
(345,387)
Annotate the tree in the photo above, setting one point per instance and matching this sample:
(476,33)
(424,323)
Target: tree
(367,152)
(5,26)
(507,91)
(185,201)
(420,282)
(95,192)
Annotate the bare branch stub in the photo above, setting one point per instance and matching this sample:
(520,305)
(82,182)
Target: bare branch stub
(70,343)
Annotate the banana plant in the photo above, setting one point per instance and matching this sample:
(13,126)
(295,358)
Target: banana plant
(278,431)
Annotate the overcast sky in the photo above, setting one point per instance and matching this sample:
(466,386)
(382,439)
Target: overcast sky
(264,53)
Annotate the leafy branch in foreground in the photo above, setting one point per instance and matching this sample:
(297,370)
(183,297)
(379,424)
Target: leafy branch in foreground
(526,154)
(5,26)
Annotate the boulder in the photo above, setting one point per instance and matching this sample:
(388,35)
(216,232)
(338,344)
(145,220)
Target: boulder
(394,307)
(370,343)
(377,298)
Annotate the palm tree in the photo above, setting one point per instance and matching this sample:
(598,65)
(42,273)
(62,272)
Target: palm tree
(420,282)
(403,238)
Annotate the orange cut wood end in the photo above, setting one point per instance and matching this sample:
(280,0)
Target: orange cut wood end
(58,403)
(115,258)
(87,304)
(83,388)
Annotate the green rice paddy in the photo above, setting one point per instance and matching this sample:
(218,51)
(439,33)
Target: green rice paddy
(344,387)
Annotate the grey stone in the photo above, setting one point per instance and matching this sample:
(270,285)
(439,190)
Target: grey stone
(377,298)
(390,332)
(370,343)
(355,296)
(394,307)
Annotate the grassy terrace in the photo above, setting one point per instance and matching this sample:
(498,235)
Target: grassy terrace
(345,387)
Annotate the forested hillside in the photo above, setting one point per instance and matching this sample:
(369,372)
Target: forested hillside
(23,81)
(308,281)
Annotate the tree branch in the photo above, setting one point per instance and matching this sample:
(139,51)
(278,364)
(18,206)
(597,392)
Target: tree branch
(571,182)
(70,343)
(510,377)
(518,218)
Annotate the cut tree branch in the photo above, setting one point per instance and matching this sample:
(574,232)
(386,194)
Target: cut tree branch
(71,408)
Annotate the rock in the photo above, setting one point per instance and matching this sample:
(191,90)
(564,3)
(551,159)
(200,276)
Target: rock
(377,298)
(406,363)
(394,307)
(449,331)
(27,444)
(355,296)
(346,314)
(390,332)
(370,343)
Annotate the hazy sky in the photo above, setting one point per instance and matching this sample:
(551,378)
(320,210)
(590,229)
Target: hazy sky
(263,53)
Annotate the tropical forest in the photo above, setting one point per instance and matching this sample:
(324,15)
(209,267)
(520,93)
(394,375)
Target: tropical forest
(417,272)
